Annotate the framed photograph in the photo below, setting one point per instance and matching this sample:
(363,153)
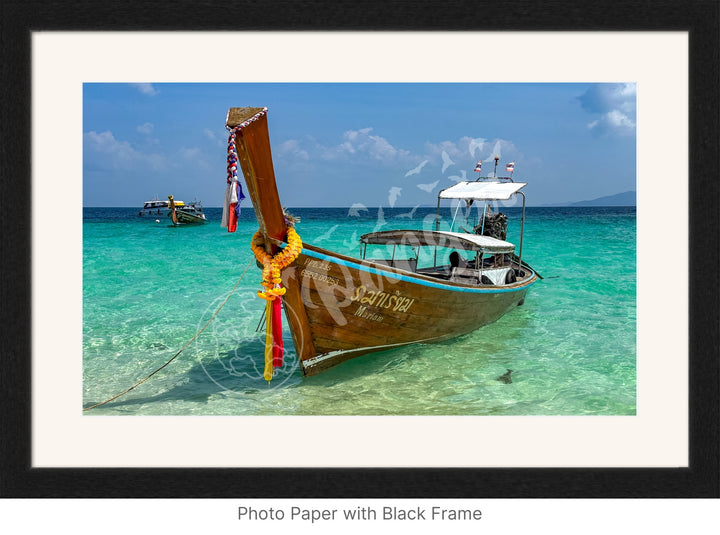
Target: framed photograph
(601,385)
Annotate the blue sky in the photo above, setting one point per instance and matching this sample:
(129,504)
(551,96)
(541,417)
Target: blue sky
(374,144)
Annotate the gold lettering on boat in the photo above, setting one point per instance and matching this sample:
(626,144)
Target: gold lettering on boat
(369,298)
(364,313)
(323,265)
(395,301)
(321,277)
(407,305)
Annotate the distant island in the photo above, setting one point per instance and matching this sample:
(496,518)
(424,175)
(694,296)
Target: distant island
(627,198)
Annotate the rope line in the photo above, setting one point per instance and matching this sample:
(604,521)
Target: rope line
(141,381)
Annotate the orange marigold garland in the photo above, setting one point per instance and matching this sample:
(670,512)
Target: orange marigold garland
(272,282)
(272,265)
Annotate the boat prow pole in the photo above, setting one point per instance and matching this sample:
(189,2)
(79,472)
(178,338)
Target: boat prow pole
(252,143)
(173,212)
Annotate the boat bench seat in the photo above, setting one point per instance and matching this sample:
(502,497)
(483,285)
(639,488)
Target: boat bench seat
(495,276)
(465,275)
(408,265)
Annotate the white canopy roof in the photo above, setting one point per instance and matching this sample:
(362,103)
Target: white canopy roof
(483,191)
(439,238)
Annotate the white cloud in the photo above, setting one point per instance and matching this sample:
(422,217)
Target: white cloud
(192,153)
(460,149)
(220,141)
(613,121)
(472,146)
(292,149)
(362,143)
(146,128)
(615,104)
(356,146)
(146,89)
(435,150)
(363,147)
(119,154)
(619,119)
(106,143)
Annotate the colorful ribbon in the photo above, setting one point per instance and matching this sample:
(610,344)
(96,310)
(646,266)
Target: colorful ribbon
(234,193)
(272,282)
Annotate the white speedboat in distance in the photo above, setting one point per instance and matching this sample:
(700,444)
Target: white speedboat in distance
(154,207)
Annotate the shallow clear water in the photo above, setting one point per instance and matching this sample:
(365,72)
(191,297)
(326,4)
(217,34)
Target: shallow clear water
(149,287)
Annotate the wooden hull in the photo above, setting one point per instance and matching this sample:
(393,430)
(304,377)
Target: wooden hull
(340,307)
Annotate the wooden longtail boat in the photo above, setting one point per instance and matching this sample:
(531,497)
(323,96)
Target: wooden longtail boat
(181,213)
(339,307)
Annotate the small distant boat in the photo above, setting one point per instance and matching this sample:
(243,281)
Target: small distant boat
(181,213)
(340,307)
(154,206)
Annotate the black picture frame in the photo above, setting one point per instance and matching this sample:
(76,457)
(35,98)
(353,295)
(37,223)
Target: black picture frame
(700,18)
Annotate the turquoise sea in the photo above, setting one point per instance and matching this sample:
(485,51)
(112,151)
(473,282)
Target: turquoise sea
(149,287)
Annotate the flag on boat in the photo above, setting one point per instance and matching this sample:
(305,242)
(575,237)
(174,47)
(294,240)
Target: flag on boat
(478,166)
(233,191)
(231,204)
(509,168)
(240,196)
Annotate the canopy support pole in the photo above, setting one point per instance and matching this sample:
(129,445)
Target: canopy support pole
(522,230)
(437,227)
(482,229)
(437,215)
(455,216)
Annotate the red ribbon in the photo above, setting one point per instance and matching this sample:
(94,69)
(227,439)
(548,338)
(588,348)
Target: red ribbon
(277,334)
(232,218)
